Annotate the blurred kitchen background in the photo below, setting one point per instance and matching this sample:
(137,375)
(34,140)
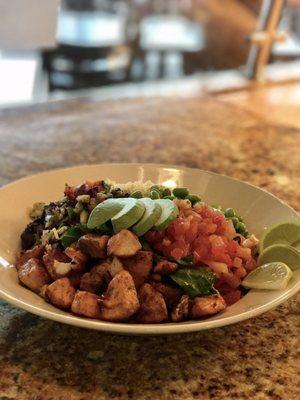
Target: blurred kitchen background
(121,48)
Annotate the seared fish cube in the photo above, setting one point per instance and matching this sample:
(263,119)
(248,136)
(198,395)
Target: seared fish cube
(123,244)
(58,264)
(78,258)
(139,266)
(207,305)
(120,300)
(86,304)
(33,274)
(181,310)
(94,246)
(153,308)
(36,252)
(165,267)
(61,293)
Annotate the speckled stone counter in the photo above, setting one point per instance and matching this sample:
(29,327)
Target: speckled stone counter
(257,359)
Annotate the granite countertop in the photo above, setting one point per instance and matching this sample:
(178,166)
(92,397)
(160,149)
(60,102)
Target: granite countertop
(43,360)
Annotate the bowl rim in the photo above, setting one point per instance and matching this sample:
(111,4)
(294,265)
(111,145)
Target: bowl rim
(146,329)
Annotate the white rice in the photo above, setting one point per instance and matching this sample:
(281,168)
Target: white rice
(130,187)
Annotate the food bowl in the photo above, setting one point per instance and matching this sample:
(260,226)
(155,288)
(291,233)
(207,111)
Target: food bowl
(259,209)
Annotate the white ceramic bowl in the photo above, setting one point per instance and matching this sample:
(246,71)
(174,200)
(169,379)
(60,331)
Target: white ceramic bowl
(259,209)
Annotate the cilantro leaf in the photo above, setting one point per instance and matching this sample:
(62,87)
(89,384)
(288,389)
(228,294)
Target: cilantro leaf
(195,282)
(73,234)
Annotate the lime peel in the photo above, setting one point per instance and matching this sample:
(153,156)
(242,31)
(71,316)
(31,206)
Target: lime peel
(283,233)
(270,276)
(280,253)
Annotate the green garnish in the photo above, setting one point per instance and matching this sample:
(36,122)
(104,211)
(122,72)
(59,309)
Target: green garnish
(73,234)
(145,245)
(187,261)
(195,282)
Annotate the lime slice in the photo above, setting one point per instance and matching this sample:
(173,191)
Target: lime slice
(281,253)
(283,233)
(271,276)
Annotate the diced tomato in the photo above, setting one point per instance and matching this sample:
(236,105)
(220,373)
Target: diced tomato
(203,247)
(159,247)
(179,249)
(244,253)
(206,227)
(166,241)
(154,236)
(179,228)
(218,267)
(197,257)
(205,233)
(188,212)
(177,253)
(250,264)
(192,233)
(240,272)
(237,262)
(216,241)
(222,286)
(232,297)
(231,279)
(232,248)
(222,257)
(228,229)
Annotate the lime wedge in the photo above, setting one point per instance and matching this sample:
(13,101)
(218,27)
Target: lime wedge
(283,233)
(271,276)
(281,253)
